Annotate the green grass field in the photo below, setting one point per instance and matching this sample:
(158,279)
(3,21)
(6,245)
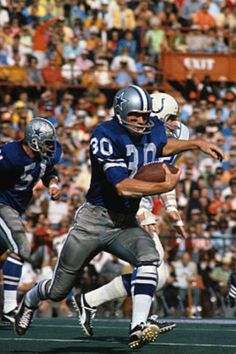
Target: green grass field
(63,335)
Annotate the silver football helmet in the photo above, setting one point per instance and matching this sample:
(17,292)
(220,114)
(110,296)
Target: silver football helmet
(166,108)
(40,135)
(133,99)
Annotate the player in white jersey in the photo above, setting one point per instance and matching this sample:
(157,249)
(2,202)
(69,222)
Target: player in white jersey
(165,108)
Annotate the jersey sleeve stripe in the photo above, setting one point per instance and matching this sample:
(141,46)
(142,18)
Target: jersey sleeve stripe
(114,164)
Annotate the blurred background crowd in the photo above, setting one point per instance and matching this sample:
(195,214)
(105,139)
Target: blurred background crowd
(63,60)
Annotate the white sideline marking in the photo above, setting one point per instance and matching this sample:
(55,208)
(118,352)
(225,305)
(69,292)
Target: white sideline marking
(116,342)
(115,327)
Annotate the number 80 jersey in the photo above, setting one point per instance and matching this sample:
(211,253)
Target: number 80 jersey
(116,155)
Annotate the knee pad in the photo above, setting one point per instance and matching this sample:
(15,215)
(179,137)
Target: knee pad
(144,279)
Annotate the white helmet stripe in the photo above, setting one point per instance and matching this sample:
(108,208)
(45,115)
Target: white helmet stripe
(143,97)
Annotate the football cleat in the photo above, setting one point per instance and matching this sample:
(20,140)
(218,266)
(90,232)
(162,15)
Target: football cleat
(143,334)
(9,317)
(85,313)
(164,326)
(23,318)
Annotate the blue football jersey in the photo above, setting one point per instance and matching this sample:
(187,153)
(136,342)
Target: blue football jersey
(116,155)
(19,174)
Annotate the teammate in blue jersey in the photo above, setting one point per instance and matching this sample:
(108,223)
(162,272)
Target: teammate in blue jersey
(22,164)
(107,221)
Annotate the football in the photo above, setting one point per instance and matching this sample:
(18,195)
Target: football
(153,172)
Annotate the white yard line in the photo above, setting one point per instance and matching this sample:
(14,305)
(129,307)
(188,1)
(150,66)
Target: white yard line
(116,342)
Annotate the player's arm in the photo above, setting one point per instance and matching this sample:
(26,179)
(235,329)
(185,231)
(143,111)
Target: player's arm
(137,188)
(145,216)
(51,177)
(174,147)
(51,181)
(170,204)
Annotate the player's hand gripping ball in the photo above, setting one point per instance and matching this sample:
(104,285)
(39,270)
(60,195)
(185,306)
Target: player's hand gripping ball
(154,172)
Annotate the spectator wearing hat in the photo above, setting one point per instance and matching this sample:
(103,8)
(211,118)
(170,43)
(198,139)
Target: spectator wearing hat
(75,46)
(103,13)
(124,57)
(123,77)
(100,76)
(84,62)
(20,112)
(70,71)
(66,110)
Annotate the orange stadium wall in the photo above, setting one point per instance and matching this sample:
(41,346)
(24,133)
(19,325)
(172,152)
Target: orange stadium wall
(176,66)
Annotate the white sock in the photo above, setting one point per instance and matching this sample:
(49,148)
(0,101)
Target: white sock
(10,302)
(143,286)
(141,308)
(110,291)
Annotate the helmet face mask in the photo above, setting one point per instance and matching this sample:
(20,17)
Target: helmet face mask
(133,100)
(40,136)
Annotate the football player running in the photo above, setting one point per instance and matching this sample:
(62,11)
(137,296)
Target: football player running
(22,164)
(166,108)
(107,221)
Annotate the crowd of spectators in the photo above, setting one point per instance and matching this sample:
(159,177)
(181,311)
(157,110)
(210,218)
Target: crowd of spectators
(110,43)
(99,44)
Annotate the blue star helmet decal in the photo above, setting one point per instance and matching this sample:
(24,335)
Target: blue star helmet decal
(120,100)
(37,132)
